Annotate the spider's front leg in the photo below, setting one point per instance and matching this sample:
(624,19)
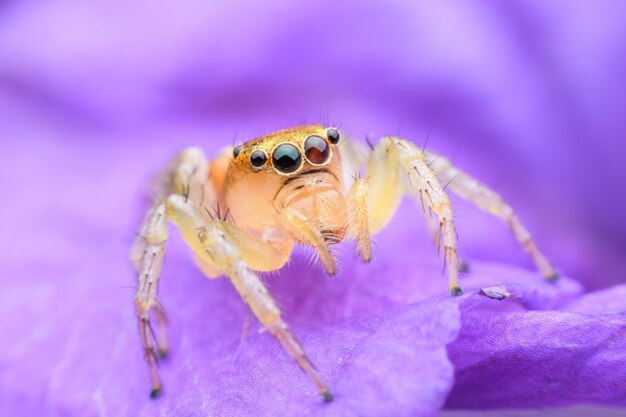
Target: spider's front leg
(147,255)
(223,248)
(397,167)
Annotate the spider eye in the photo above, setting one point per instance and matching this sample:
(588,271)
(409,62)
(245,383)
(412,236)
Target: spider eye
(333,136)
(236,151)
(316,149)
(286,158)
(258,158)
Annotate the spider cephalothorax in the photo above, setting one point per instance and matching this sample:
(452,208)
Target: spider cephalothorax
(299,185)
(299,169)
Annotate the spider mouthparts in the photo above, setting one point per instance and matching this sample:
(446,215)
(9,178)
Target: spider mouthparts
(328,396)
(155,392)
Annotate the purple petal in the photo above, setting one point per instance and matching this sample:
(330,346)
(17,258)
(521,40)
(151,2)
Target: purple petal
(607,301)
(537,358)
(94,98)
(222,362)
(529,288)
(69,334)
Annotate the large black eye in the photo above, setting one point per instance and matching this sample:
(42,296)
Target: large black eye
(286,158)
(316,149)
(258,158)
(333,136)
(236,151)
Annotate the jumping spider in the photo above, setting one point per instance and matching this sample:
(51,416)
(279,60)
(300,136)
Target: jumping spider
(296,186)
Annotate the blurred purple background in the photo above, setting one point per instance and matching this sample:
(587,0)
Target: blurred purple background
(529,96)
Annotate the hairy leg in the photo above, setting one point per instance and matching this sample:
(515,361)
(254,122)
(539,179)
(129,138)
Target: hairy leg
(488,200)
(218,243)
(435,231)
(148,267)
(423,184)
(397,167)
(147,255)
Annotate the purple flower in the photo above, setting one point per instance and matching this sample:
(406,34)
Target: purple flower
(529,98)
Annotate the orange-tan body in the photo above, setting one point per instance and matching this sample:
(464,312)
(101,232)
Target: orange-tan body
(256,199)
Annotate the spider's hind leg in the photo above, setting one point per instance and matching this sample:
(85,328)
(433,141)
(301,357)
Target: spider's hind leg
(486,199)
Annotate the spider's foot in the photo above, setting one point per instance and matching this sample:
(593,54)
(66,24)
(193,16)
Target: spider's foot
(464,267)
(328,396)
(155,392)
(456,291)
(554,277)
(162,353)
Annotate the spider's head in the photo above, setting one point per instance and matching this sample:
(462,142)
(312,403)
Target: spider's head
(290,152)
(299,167)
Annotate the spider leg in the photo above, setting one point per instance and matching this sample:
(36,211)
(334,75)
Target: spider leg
(483,197)
(148,267)
(221,246)
(147,255)
(435,231)
(359,219)
(398,167)
(423,185)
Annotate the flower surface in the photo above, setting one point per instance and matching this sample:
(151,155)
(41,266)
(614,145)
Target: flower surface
(526,96)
